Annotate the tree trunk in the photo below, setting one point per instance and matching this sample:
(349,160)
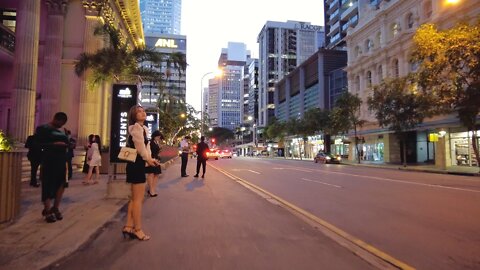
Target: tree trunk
(404,140)
(475,147)
(356,145)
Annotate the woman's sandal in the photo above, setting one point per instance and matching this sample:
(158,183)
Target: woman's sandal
(142,236)
(128,231)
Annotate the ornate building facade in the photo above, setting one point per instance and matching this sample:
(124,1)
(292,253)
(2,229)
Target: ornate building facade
(38,75)
(379,46)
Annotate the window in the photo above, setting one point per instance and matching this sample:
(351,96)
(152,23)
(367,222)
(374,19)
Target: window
(369,78)
(357,84)
(379,39)
(395,29)
(357,51)
(395,68)
(427,9)
(410,21)
(368,45)
(380,73)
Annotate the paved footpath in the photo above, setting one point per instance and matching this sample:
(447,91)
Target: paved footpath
(214,223)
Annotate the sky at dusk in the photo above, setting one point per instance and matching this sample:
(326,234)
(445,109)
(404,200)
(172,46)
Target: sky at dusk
(210,24)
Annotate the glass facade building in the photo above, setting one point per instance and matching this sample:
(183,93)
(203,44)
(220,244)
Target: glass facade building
(161,16)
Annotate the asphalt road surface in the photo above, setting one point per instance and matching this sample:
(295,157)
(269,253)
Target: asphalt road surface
(429,221)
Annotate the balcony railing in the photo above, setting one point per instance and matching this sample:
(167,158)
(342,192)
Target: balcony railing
(7,39)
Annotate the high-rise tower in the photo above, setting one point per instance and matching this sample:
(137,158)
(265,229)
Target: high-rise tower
(161,16)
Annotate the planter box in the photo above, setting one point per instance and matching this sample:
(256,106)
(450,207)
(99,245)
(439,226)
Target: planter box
(10,185)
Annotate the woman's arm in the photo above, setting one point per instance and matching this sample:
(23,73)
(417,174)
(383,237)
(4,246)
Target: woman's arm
(139,142)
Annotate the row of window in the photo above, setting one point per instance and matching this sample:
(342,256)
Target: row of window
(409,21)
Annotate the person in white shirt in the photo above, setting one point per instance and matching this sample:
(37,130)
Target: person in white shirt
(185,148)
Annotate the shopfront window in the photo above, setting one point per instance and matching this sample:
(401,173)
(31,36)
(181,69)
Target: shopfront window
(461,148)
(372,150)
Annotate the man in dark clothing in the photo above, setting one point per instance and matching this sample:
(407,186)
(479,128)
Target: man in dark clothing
(54,143)
(34,155)
(202,149)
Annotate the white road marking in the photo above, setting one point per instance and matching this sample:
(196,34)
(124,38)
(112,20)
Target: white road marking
(309,180)
(401,181)
(252,171)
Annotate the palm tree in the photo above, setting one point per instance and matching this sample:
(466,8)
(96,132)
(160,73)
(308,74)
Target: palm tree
(118,61)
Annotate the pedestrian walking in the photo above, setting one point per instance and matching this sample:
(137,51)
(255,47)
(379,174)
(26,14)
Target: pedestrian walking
(185,148)
(202,150)
(87,148)
(54,142)
(34,155)
(94,161)
(72,144)
(136,172)
(153,172)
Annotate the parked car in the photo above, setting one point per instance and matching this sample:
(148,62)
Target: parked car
(327,158)
(225,153)
(213,153)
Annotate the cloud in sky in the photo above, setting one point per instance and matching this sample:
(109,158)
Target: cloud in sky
(210,24)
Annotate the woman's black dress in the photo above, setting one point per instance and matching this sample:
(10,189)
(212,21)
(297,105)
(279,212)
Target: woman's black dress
(136,170)
(155,148)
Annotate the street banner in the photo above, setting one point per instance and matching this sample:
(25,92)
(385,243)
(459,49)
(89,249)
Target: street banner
(124,96)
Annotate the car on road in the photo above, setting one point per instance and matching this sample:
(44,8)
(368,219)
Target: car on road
(322,157)
(213,153)
(225,153)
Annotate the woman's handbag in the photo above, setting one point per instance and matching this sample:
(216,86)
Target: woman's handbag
(127,154)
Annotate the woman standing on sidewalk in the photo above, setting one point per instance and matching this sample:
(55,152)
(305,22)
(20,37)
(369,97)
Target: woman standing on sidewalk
(154,172)
(94,161)
(136,172)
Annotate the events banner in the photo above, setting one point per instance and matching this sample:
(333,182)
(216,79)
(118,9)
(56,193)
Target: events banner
(124,96)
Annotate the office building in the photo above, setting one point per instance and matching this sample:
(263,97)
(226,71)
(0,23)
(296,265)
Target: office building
(173,88)
(282,47)
(339,16)
(379,47)
(161,16)
(226,92)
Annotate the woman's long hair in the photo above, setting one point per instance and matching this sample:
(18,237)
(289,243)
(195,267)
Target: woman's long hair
(132,114)
(99,142)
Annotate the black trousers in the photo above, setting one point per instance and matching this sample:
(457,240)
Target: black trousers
(184,164)
(202,162)
(33,171)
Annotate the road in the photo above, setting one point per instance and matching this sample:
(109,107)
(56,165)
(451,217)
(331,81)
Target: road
(429,221)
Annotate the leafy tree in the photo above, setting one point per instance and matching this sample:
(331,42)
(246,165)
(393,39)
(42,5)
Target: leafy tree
(118,61)
(450,71)
(346,116)
(399,107)
(221,135)
(176,119)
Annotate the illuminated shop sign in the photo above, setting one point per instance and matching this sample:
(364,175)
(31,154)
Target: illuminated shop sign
(166,43)
(123,98)
(151,122)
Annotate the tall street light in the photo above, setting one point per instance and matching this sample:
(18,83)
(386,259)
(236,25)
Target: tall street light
(202,108)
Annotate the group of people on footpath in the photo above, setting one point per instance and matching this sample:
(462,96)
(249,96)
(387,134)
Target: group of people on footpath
(201,149)
(51,147)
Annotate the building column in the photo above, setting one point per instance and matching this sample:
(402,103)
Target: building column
(52,75)
(25,68)
(89,119)
(301,85)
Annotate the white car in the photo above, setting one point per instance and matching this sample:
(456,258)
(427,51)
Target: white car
(225,153)
(213,153)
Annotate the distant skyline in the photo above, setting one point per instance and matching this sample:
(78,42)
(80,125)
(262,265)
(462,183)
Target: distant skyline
(210,24)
